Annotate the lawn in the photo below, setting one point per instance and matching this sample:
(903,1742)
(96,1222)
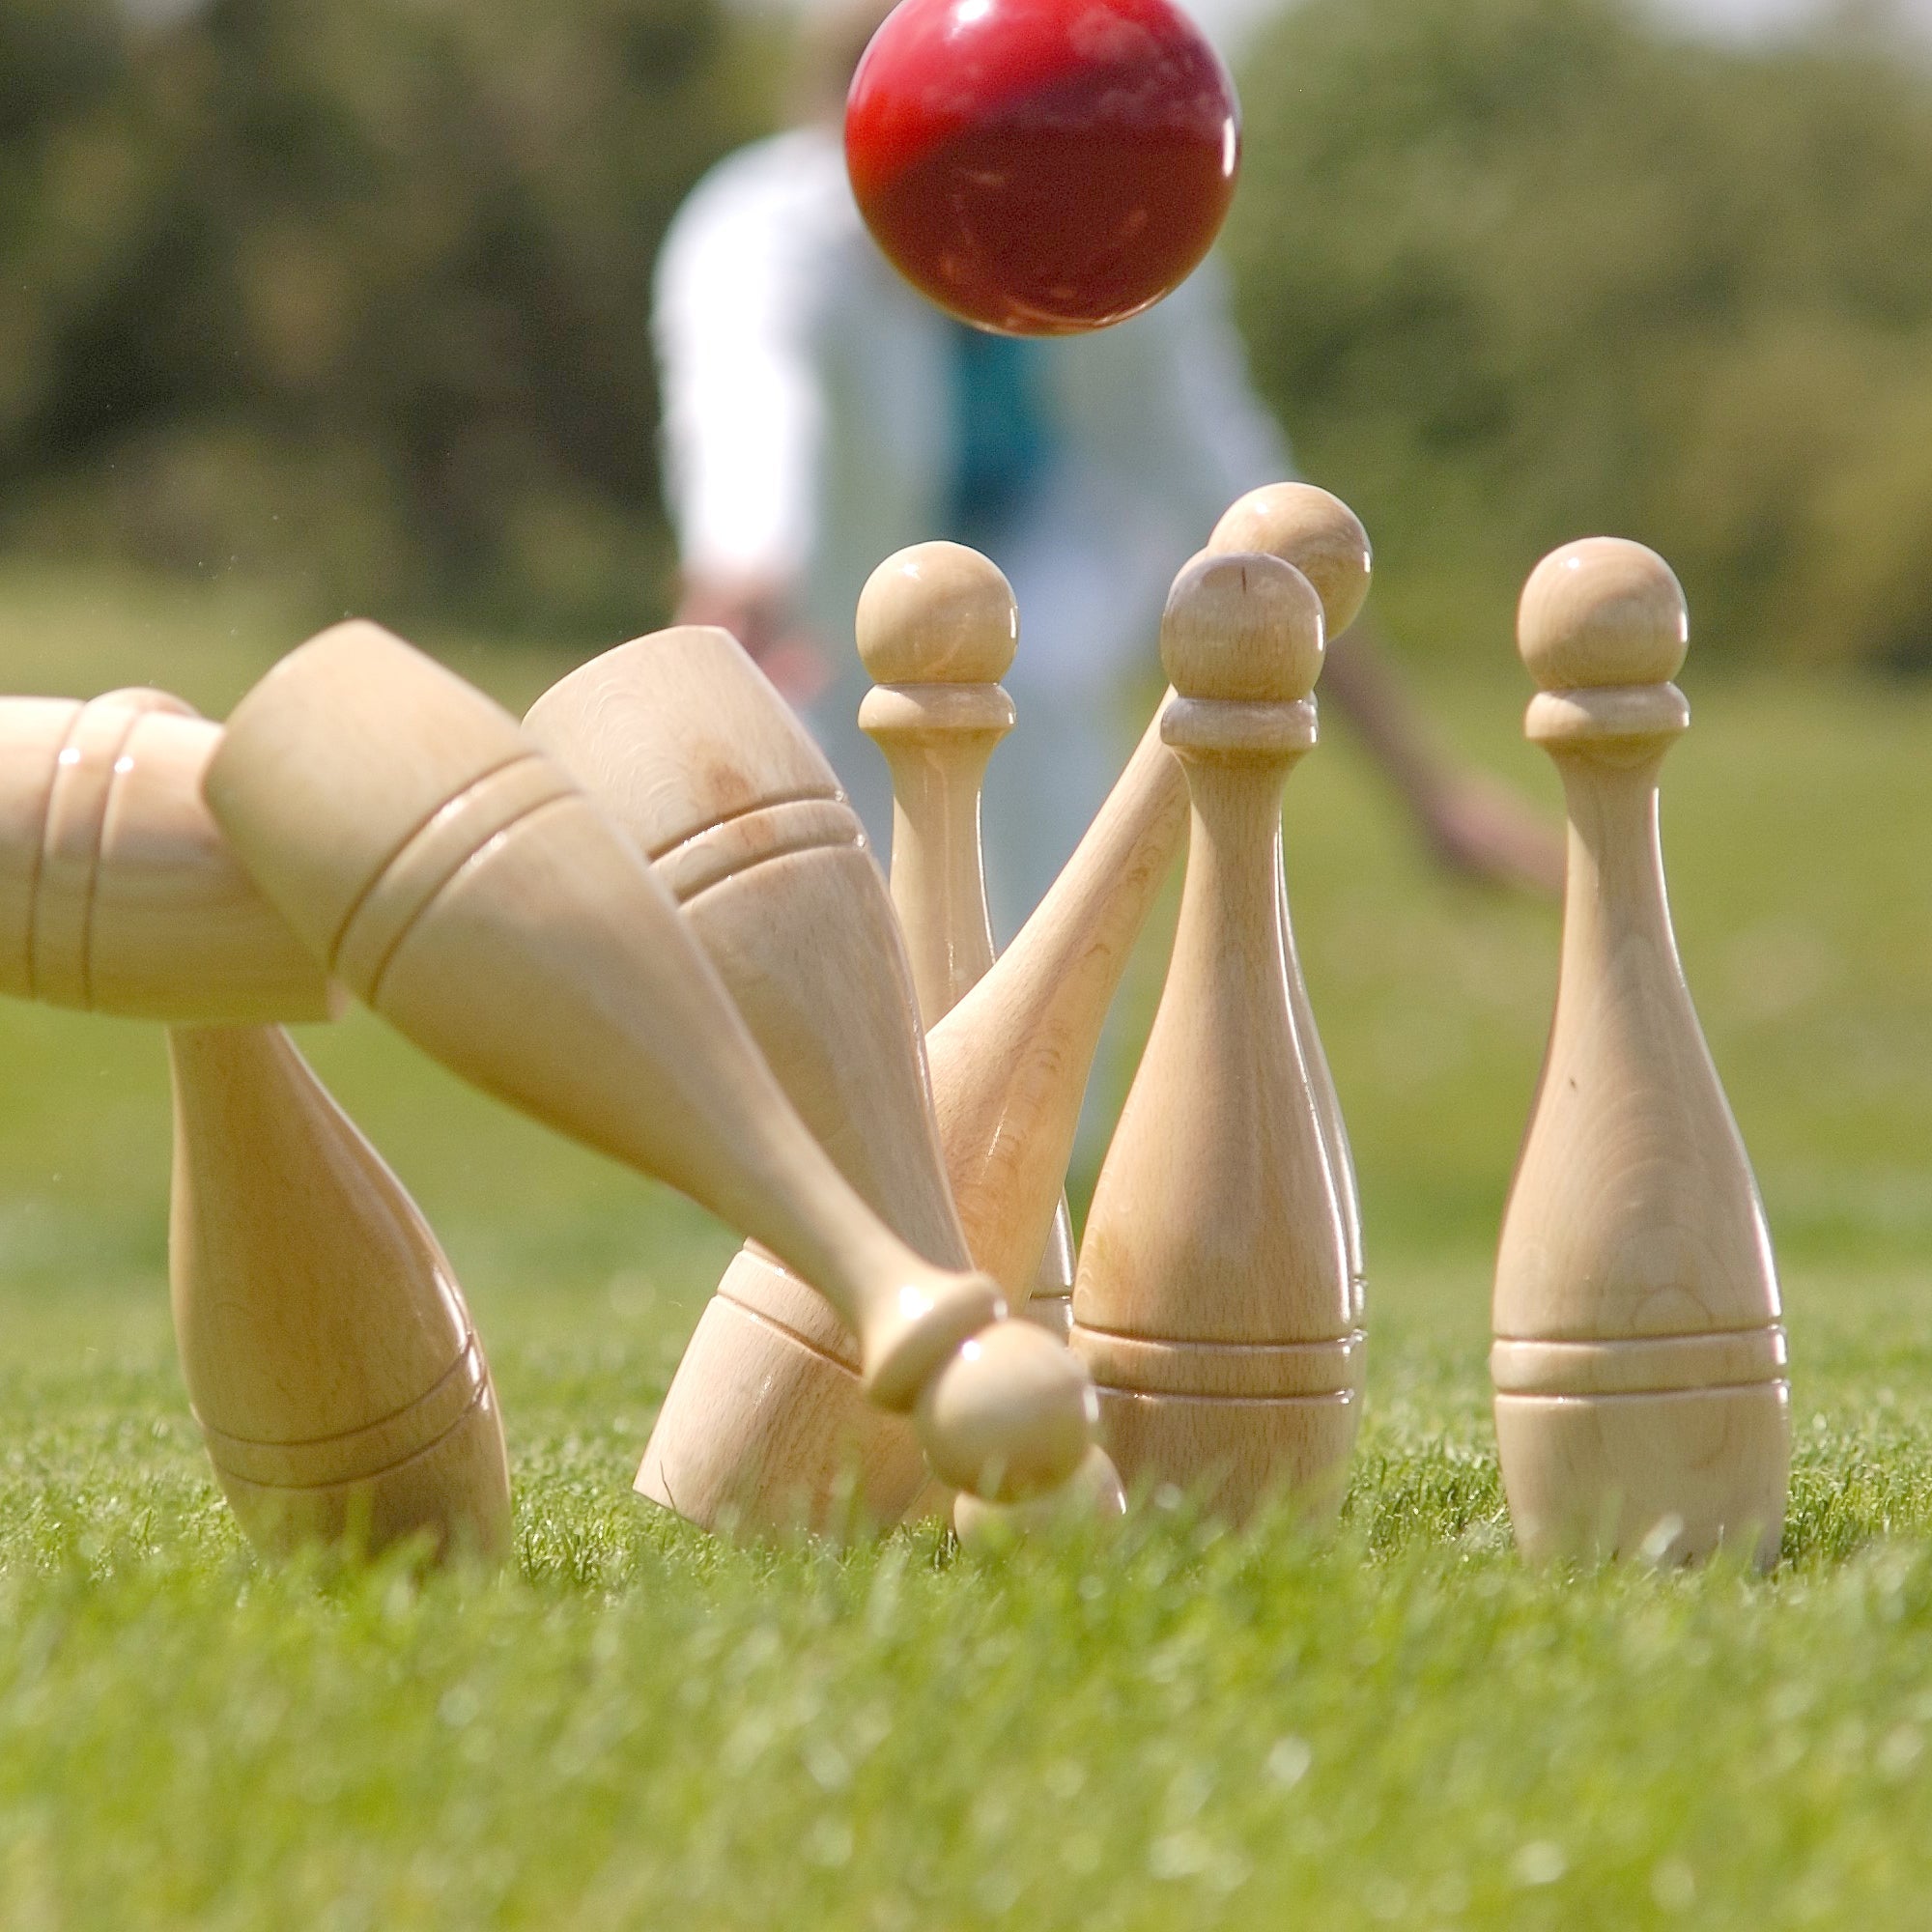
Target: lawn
(1180,1726)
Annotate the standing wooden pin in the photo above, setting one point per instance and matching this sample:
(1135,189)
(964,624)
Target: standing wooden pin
(1009,1062)
(1213,1303)
(1324,540)
(330,1362)
(452,875)
(1640,1361)
(937,628)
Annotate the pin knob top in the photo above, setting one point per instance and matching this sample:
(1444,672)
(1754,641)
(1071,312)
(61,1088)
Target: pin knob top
(1601,611)
(1244,626)
(937,614)
(1315,532)
(1011,1415)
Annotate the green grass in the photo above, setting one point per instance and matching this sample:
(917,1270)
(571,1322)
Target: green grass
(636,1728)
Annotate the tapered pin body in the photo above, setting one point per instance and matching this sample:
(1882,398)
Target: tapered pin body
(684,743)
(1214,1304)
(1324,540)
(937,627)
(1641,1397)
(328,1357)
(331,1363)
(1010,1061)
(450,873)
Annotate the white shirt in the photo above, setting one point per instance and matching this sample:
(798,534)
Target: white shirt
(809,430)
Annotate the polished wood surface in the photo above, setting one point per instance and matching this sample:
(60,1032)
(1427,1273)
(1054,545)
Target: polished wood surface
(1010,1062)
(1215,1301)
(450,873)
(118,891)
(330,1362)
(329,1358)
(1641,1402)
(1326,541)
(937,627)
(684,743)
(1312,529)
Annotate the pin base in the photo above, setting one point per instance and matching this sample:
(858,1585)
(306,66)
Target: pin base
(765,1436)
(1234,1453)
(1666,1477)
(455,1494)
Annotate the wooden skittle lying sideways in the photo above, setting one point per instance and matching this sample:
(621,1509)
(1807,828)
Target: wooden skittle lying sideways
(447,871)
(683,742)
(329,1359)
(937,628)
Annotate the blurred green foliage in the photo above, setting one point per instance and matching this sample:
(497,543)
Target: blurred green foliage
(1517,269)
(356,296)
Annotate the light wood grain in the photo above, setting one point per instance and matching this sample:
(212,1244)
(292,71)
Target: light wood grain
(118,891)
(1326,541)
(452,875)
(1641,1400)
(329,1359)
(937,628)
(333,1366)
(686,746)
(680,739)
(1010,1062)
(1217,1220)
(1312,529)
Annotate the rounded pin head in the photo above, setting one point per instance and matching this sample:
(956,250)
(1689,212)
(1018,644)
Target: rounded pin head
(1011,1415)
(1601,611)
(937,614)
(1315,532)
(1245,627)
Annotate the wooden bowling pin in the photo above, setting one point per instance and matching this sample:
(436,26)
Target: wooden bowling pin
(679,735)
(685,745)
(1009,1062)
(937,627)
(118,892)
(330,1361)
(1324,540)
(1641,1397)
(447,871)
(1214,1302)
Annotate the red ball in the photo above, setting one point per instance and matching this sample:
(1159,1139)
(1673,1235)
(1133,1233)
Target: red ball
(1042,167)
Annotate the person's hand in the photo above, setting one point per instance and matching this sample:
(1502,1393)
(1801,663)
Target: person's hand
(759,614)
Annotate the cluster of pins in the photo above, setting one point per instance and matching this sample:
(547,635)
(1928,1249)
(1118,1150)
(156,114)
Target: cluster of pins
(648,916)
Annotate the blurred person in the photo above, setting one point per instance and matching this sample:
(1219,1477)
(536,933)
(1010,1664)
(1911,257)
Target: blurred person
(820,414)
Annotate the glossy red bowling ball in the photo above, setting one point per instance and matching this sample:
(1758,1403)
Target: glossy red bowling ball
(1042,167)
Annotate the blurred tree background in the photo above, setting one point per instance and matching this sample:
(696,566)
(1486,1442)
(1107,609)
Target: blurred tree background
(356,296)
(1513,270)
(354,292)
